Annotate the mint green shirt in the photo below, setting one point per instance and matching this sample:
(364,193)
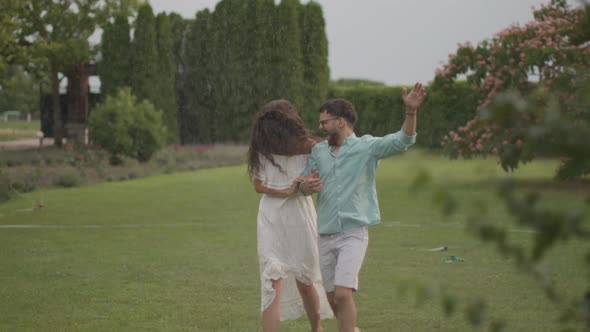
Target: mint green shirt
(349,197)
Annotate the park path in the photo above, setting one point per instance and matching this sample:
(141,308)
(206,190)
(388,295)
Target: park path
(22,144)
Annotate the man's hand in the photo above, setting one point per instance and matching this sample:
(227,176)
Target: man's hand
(313,183)
(414,99)
(294,186)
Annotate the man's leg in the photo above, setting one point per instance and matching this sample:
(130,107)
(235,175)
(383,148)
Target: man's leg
(327,255)
(352,246)
(346,309)
(271,316)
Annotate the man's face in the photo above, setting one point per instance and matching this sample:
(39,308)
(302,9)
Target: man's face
(330,125)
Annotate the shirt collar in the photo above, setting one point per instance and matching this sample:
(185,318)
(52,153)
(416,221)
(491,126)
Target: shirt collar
(348,140)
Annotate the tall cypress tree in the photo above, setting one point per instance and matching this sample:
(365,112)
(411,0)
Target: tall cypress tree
(223,69)
(144,59)
(244,47)
(204,124)
(240,56)
(166,100)
(180,31)
(316,72)
(266,51)
(289,75)
(114,68)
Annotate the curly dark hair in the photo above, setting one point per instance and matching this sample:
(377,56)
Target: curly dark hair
(278,129)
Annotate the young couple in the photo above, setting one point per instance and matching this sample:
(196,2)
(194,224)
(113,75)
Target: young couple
(308,261)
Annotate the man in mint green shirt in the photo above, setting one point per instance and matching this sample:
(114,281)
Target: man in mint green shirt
(342,171)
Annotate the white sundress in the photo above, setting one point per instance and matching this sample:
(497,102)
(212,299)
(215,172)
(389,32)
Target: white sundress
(287,239)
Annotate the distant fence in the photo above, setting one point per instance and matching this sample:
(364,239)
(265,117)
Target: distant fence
(12,116)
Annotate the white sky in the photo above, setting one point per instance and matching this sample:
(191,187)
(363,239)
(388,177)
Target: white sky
(395,41)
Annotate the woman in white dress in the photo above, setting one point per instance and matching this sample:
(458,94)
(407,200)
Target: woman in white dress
(286,232)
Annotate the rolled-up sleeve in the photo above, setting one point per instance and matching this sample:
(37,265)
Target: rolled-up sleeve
(311,164)
(388,145)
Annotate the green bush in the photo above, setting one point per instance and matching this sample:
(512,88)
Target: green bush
(24,182)
(125,127)
(4,188)
(67,180)
(381,110)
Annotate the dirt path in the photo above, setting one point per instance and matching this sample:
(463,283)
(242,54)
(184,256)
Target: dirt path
(22,144)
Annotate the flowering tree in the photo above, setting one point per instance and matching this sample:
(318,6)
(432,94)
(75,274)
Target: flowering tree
(546,56)
(518,120)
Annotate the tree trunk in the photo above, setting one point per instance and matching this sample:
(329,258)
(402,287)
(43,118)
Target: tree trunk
(76,104)
(56,108)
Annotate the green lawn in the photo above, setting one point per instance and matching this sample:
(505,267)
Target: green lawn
(22,125)
(178,253)
(13,130)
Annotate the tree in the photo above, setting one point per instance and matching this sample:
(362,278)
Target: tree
(198,82)
(264,54)
(247,99)
(551,118)
(52,36)
(20,91)
(180,28)
(240,56)
(144,56)
(166,100)
(289,72)
(10,50)
(549,226)
(551,49)
(316,72)
(114,68)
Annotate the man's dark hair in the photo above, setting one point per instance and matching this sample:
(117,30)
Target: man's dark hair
(340,108)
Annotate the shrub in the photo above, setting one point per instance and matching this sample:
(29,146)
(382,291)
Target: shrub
(125,127)
(381,110)
(67,180)
(4,187)
(24,182)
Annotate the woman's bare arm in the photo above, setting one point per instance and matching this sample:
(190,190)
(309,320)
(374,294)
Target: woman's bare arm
(262,189)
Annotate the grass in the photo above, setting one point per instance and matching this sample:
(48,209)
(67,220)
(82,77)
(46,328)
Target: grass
(177,252)
(14,130)
(21,125)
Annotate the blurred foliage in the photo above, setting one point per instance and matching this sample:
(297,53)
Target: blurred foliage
(19,90)
(547,121)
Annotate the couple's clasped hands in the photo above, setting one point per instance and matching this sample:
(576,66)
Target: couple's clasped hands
(308,184)
(311,183)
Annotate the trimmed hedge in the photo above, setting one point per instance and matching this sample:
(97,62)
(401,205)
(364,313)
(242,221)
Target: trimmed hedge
(381,110)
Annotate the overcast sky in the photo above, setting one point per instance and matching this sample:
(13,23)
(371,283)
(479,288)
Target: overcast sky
(395,41)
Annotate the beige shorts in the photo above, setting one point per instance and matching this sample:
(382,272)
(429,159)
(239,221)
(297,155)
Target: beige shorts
(341,257)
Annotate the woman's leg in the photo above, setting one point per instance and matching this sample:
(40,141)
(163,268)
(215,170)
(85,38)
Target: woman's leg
(271,317)
(311,303)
